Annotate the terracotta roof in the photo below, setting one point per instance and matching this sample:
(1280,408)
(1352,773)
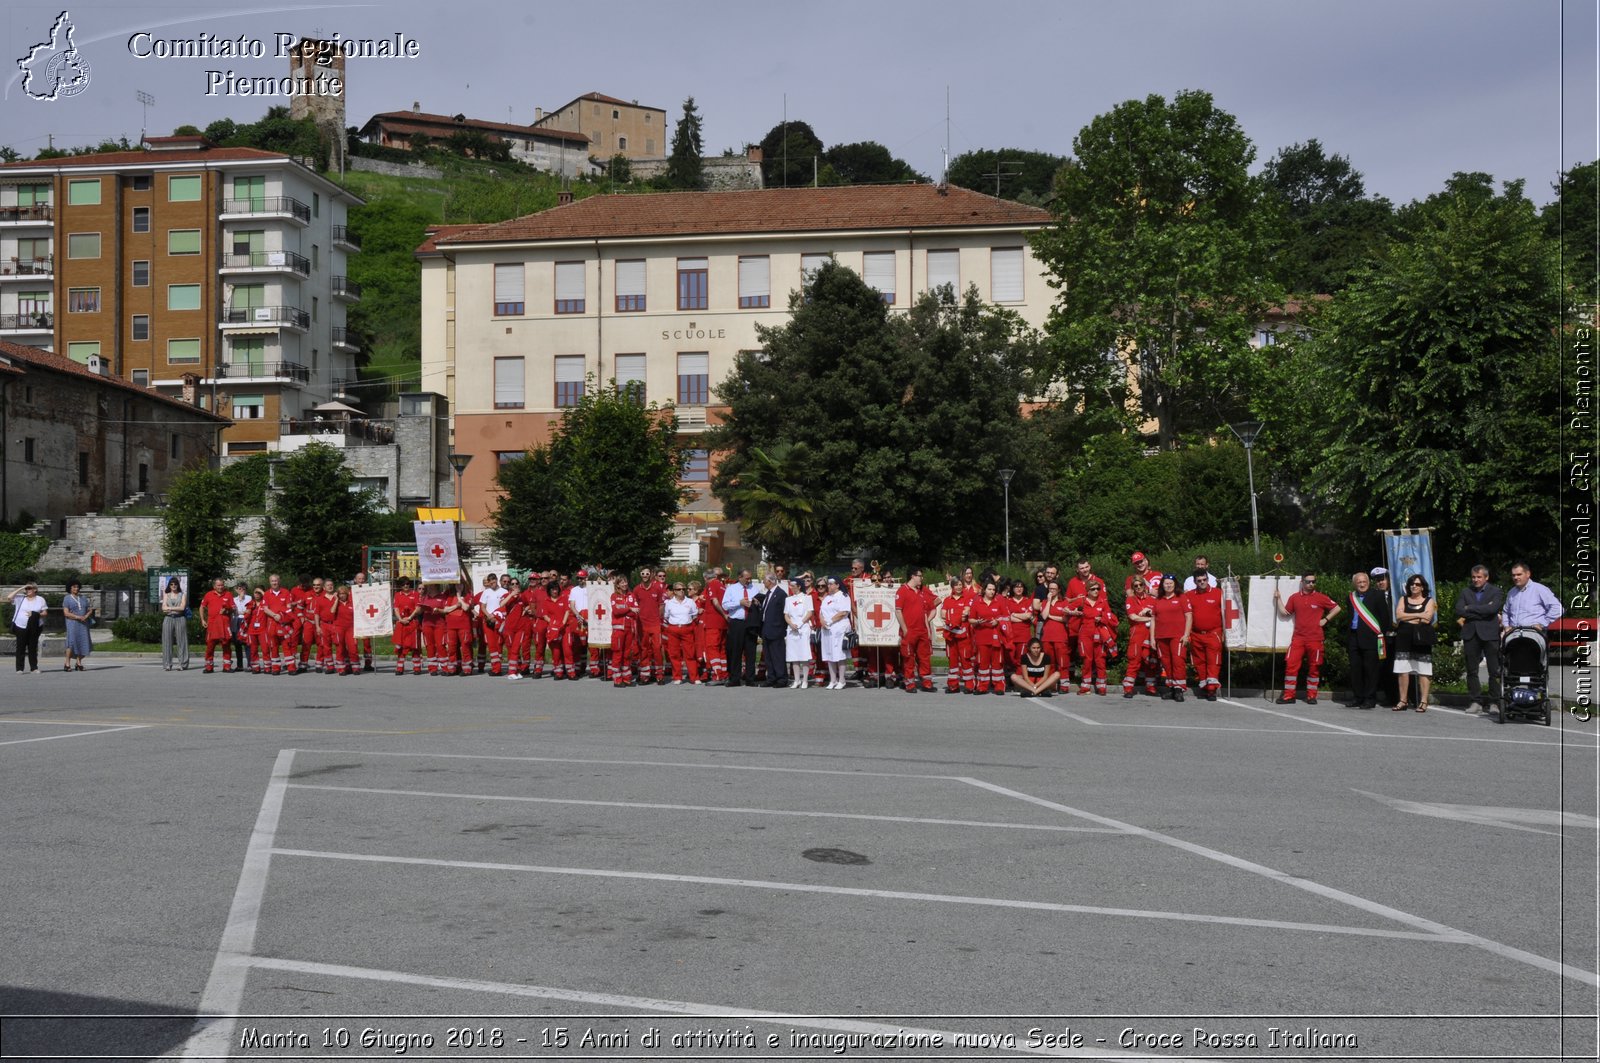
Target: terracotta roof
(152,158)
(421,120)
(600,97)
(1294,306)
(38,358)
(436,233)
(770,210)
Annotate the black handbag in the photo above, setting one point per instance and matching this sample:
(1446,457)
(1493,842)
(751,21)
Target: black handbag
(1425,636)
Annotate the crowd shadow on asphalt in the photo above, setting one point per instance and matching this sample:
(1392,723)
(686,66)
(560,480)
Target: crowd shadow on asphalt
(49,1024)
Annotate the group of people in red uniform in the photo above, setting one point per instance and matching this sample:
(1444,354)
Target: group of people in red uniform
(998,636)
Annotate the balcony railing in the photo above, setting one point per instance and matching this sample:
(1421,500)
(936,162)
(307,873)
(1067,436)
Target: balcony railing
(265,371)
(345,337)
(35,322)
(268,205)
(269,260)
(343,235)
(292,316)
(345,287)
(33,212)
(359,429)
(27,267)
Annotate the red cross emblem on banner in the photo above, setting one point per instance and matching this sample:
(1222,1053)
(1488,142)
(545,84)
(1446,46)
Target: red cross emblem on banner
(372,611)
(437,551)
(1230,611)
(600,612)
(879,615)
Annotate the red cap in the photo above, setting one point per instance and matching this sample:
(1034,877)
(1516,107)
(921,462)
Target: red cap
(1136,557)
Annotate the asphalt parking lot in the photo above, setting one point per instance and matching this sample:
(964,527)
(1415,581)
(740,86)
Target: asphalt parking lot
(469,868)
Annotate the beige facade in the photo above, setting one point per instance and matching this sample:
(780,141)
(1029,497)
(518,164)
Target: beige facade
(671,311)
(613,126)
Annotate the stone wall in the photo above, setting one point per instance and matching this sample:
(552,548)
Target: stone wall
(722,173)
(126,536)
(393,169)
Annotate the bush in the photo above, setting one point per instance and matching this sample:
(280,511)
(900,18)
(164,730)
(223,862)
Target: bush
(19,551)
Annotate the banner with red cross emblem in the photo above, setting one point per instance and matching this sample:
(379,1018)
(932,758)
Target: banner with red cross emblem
(436,551)
(600,592)
(875,622)
(1232,613)
(374,610)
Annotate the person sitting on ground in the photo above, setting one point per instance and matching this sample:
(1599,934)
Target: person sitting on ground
(1035,676)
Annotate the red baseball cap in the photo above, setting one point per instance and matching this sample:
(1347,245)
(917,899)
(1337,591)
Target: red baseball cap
(1136,557)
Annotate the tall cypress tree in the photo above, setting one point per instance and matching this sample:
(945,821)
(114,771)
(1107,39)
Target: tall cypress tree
(684,169)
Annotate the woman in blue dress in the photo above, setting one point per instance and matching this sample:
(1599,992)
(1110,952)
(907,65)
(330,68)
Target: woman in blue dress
(75,607)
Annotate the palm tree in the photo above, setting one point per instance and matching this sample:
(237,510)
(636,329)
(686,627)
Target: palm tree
(772,508)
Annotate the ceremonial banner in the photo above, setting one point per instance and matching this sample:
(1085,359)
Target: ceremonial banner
(1232,613)
(1266,630)
(875,622)
(436,551)
(598,594)
(941,591)
(477,572)
(1407,552)
(374,610)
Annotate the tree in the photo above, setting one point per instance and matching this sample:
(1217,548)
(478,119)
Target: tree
(1023,173)
(786,155)
(1435,385)
(389,228)
(867,163)
(620,168)
(200,535)
(186,131)
(9,154)
(607,480)
(684,169)
(775,512)
(247,481)
(1332,226)
(906,420)
(316,523)
(1160,251)
(221,131)
(1573,220)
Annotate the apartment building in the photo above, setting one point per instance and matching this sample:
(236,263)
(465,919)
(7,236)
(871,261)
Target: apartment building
(662,292)
(613,126)
(223,270)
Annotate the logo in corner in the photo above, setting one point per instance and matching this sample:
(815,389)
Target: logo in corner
(55,69)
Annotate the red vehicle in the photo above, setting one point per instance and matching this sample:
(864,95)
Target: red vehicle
(1565,636)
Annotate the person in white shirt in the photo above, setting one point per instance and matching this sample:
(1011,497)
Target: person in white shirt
(834,619)
(578,606)
(489,600)
(242,652)
(27,618)
(798,623)
(678,615)
(736,602)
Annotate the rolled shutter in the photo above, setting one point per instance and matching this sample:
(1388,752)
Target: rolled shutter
(944,267)
(1005,274)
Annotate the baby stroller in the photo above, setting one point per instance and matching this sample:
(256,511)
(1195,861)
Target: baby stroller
(1525,668)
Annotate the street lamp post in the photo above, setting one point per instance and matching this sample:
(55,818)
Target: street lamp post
(1005,478)
(1247,432)
(459,463)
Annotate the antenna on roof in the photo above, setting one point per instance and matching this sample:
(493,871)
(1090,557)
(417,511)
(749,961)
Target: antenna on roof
(145,100)
(944,175)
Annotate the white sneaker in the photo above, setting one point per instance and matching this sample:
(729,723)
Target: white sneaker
(677,682)
(804,683)
(513,677)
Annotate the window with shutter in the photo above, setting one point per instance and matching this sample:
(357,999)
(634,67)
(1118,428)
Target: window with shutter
(693,284)
(630,285)
(569,379)
(878,271)
(631,376)
(694,378)
(509,299)
(508,383)
(944,267)
(569,287)
(755,281)
(1005,274)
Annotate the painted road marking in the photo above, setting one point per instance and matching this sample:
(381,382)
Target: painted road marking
(1493,815)
(74,734)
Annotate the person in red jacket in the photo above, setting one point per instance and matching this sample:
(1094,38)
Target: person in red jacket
(1018,627)
(262,645)
(515,627)
(1141,643)
(556,617)
(679,615)
(1169,628)
(650,593)
(1312,611)
(339,622)
(278,604)
(1056,617)
(1205,634)
(455,607)
(406,612)
(303,613)
(319,610)
(624,631)
(986,617)
(911,608)
(957,639)
(1097,632)
(714,630)
(1142,573)
(1076,593)
(216,611)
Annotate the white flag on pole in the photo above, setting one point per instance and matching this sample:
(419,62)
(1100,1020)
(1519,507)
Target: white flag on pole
(599,597)
(436,551)
(1266,631)
(875,622)
(373,608)
(941,591)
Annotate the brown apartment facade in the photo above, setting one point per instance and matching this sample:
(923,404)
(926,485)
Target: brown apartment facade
(220,271)
(613,126)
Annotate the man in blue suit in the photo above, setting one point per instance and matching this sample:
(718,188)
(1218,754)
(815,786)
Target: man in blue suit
(773,630)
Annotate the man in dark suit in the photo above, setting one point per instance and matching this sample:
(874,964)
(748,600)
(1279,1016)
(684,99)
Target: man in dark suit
(773,630)
(1364,640)
(1478,615)
(738,605)
(1383,608)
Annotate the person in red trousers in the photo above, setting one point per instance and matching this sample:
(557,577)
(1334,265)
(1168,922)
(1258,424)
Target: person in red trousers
(986,617)
(1169,629)
(1205,634)
(1140,612)
(1097,636)
(216,611)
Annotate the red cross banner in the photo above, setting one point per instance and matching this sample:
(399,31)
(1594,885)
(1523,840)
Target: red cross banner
(875,622)
(374,611)
(1267,630)
(941,591)
(436,551)
(1232,613)
(599,592)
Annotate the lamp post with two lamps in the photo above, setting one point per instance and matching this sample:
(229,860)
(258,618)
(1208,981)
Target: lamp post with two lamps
(1247,431)
(1005,478)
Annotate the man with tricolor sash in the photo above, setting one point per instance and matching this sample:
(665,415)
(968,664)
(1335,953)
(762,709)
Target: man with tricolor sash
(1365,642)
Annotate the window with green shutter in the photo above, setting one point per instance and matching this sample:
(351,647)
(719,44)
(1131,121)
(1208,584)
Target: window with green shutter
(183,242)
(183,189)
(83,191)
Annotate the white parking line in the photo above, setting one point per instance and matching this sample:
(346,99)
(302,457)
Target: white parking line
(74,734)
(704,808)
(656,1004)
(632,763)
(1373,907)
(219,1004)
(1447,937)
(1291,716)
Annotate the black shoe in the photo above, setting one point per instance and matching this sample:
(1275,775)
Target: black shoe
(1285,699)
(1166,694)
(1177,695)
(1127,695)
(732,683)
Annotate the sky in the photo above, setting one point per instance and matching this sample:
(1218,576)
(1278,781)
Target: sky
(1409,90)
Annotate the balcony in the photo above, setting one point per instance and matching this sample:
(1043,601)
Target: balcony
(38,321)
(267,207)
(344,431)
(343,237)
(346,289)
(265,317)
(266,262)
(345,338)
(27,269)
(264,373)
(35,214)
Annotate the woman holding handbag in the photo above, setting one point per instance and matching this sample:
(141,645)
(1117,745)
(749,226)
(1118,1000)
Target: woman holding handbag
(75,607)
(27,619)
(1414,638)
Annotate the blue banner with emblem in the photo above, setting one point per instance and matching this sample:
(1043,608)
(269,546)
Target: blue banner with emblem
(1408,552)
